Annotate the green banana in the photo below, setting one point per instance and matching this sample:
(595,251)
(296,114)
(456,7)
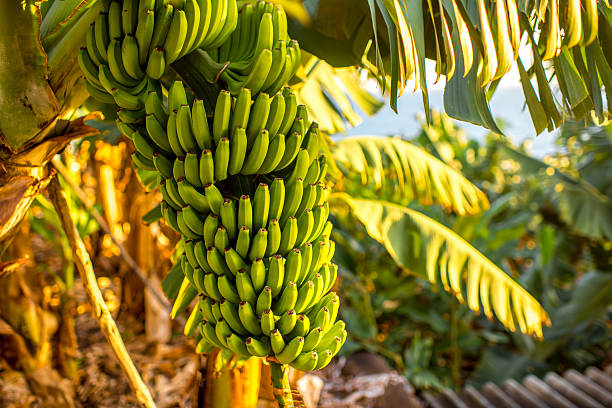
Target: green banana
(221,239)
(230,314)
(129,55)
(295,190)
(274,154)
(242,109)
(287,299)
(215,199)
(257,155)
(193,197)
(162,164)
(157,133)
(276,274)
(101,37)
(287,322)
(115,30)
(142,162)
(245,214)
(178,169)
(277,199)
(144,33)
(264,301)
(143,144)
(222,156)
(222,115)
(305,295)
(208,332)
(274,238)
(210,284)
(313,339)
(176,96)
(238,151)
(129,16)
(301,164)
(276,341)
(192,169)
(207,167)
(258,247)
(249,318)
(309,196)
(290,110)
(305,225)
(258,118)
(291,350)
(243,242)
(199,125)
(288,236)
(293,266)
(261,206)
(176,36)
(227,213)
(216,261)
(173,140)
(306,361)
(227,289)
(211,223)
(183,129)
(258,274)
(246,292)
(234,261)
(205,305)
(267,322)
(302,326)
(192,13)
(163,21)
(192,220)
(155,107)
(256,347)
(222,331)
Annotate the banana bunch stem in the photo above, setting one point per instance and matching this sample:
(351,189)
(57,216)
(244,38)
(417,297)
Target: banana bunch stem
(280,384)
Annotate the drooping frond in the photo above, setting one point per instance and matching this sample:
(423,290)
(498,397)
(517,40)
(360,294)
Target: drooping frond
(395,170)
(475,43)
(431,250)
(331,93)
(581,205)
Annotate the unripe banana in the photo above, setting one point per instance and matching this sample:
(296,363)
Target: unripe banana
(276,274)
(216,309)
(193,220)
(302,326)
(210,284)
(242,109)
(176,96)
(274,238)
(230,314)
(274,154)
(291,351)
(198,280)
(288,236)
(257,155)
(222,115)
(192,169)
(292,147)
(173,140)
(170,216)
(210,229)
(245,214)
(277,199)
(264,301)
(258,117)
(199,250)
(276,341)
(192,13)
(173,193)
(306,361)
(287,322)
(178,168)
(184,229)
(115,30)
(246,292)
(267,322)
(227,213)
(234,261)
(129,16)
(313,339)
(222,156)
(227,289)
(325,357)
(216,261)
(290,110)
(258,274)
(258,247)
(306,250)
(176,36)
(287,299)
(309,197)
(305,296)
(129,55)
(183,129)
(208,332)
(162,164)
(295,189)
(238,151)
(193,197)
(221,239)
(305,225)
(207,167)
(261,206)
(101,35)
(142,162)
(256,347)
(222,331)
(248,318)
(205,305)
(199,125)
(301,164)
(243,242)
(215,199)
(155,107)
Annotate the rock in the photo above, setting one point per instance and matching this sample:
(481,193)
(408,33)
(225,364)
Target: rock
(365,363)
(310,386)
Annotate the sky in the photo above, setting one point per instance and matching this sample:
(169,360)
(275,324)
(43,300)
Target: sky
(507,105)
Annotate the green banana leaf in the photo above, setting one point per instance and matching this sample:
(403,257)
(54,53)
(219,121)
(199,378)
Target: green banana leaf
(392,169)
(432,251)
(474,43)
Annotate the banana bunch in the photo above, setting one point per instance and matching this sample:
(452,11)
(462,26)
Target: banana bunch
(259,55)
(131,42)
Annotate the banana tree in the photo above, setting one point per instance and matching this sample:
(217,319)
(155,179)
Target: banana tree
(42,88)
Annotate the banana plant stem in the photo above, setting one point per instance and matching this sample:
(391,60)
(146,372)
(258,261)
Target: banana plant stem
(104,316)
(280,384)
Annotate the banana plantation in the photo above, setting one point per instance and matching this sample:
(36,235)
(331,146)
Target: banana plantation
(185,220)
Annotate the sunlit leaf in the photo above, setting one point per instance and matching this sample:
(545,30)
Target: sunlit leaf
(398,171)
(445,258)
